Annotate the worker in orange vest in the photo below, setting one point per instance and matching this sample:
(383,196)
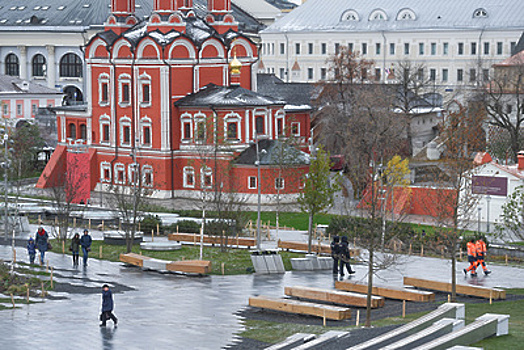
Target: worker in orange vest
(481,254)
(472,258)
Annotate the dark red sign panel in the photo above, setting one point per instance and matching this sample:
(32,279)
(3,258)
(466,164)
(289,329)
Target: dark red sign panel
(497,186)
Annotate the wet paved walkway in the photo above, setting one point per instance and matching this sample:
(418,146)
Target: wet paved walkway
(167,311)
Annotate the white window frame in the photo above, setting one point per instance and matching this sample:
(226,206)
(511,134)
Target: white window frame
(260,112)
(103,167)
(298,129)
(249,182)
(188,170)
(199,118)
(124,79)
(186,118)
(19,109)
(145,79)
(120,168)
(104,120)
(131,173)
(232,118)
(277,180)
(103,79)
(147,170)
(6,109)
(146,122)
(125,121)
(280,115)
(206,171)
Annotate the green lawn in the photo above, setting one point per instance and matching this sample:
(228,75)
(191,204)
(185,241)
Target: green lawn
(236,261)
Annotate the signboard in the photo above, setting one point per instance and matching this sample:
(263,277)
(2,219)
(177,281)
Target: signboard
(496,186)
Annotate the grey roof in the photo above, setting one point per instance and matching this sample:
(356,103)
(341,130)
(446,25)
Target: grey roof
(282,4)
(276,153)
(322,15)
(297,94)
(213,95)
(77,16)
(14,85)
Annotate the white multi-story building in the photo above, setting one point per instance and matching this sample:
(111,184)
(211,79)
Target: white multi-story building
(456,41)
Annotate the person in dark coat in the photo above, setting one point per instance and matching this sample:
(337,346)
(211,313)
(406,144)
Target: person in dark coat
(335,253)
(31,250)
(85,242)
(41,241)
(344,256)
(75,248)
(107,306)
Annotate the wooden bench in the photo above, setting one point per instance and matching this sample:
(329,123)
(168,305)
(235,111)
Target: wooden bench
(476,291)
(300,307)
(333,296)
(190,266)
(195,239)
(391,293)
(134,259)
(186,266)
(315,248)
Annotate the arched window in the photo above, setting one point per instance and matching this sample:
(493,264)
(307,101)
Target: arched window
(103,89)
(83,131)
(105,124)
(120,174)
(125,131)
(406,15)
(145,128)
(378,15)
(480,13)
(147,176)
(350,15)
(12,65)
(105,172)
(232,127)
(206,177)
(39,67)
(71,66)
(124,92)
(73,96)
(72,131)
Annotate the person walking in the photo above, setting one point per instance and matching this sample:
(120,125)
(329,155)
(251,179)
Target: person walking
(41,241)
(107,306)
(335,253)
(344,257)
(472,258)
(31,250)
(85,242)
(481,255)
(75,248)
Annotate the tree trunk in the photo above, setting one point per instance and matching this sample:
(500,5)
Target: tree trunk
(310,232)
(370,288)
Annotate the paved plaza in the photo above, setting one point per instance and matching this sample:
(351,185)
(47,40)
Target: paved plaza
(168,311)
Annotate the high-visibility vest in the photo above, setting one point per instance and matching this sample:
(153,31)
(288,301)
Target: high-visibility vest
(481,247)
(472,249)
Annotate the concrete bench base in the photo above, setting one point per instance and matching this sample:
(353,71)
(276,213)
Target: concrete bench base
(311,263)
(160,246)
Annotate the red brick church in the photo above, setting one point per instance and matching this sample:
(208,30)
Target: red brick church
(172,105)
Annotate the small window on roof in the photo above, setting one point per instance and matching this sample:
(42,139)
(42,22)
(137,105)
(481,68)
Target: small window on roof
(18,21)
(3,21)
(378,15)
(350,15)
(138,6)
(13,8)
(406,15)
(21,8)
(61,8)
(45,8)
(479,13)
(87,5)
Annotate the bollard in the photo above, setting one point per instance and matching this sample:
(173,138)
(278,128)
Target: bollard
(422,250)
(100,252)
(410,245)
(39,219)
(358,318)
(102,225)
(119,225)
(51,277)
(89,224)
(74,223)
(506,259)
(157,229)
(47,266)
(394,245)
(324,319)
(223,268)
(14,256)
(139,226)
(403,308)
(63,247)
(152,235)
(13,300)
(490,297)
(43,290)
(449,298)
(27,292)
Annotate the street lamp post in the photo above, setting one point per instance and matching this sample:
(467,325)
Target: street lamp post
(259,191)
(488,199)
(478,219)
(6,190)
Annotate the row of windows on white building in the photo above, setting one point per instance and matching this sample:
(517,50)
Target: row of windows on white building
(71,66)
(422,49)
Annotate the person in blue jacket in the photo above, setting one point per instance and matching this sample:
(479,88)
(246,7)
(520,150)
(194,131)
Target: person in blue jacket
(31,250)
(85,242)
(107,306)
(41,241)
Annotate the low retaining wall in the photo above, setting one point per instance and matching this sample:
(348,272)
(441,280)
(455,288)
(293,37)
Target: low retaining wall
(510,251)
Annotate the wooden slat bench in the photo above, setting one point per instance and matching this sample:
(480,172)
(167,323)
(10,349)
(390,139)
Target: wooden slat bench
(186,266)
(195,238)
(133,259)
(476,291)
(300,307)
(190,266)
(391,293)
(315,248)
(333,296)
